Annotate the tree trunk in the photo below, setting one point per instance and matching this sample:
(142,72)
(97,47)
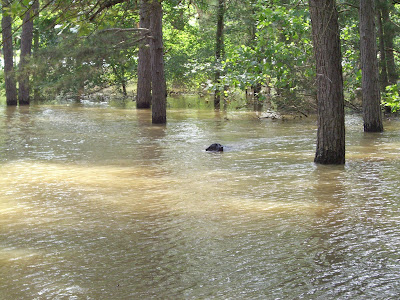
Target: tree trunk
(383,78)
(144,65)
(389,33)
(9,75)
(330,106)
(159,91)
(256,96)
(371,97)
(124,92)
(26,49)
(219,50)
(120,77)
(36,91)
(256,87)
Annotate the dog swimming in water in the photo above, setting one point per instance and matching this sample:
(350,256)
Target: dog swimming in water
(215,148)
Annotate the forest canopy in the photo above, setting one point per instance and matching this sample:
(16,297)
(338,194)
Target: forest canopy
(265,48)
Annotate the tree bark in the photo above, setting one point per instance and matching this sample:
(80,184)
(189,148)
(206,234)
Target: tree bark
(371,96)
(159,91)
(143,99)
(9,74)
(384,81)
(26,49)
(330,106)
(219,50)
(389,33)
(36,41)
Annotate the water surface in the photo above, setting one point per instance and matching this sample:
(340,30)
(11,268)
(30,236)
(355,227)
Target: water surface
(98,203)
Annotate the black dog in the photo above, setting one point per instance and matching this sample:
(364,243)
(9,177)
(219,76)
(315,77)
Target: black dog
(215,147)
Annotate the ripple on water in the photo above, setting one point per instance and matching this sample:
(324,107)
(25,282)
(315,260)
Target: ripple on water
(102,205)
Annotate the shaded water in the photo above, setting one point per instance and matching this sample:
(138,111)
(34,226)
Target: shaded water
(96,203)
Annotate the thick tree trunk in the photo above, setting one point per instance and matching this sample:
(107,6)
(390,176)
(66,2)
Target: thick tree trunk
(144,65)
(369,64)
(9,75)
(331,130)
(159,91)
(219,50)
(26,49)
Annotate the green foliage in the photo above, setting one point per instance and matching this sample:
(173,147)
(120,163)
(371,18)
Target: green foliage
(76,56)
(391,98)
(267,44)
(188,48)
(85,64)
(350,43)
(278,55)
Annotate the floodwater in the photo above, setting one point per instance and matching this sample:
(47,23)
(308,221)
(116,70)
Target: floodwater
(97,203)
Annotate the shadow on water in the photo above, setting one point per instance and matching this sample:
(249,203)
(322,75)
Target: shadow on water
(326,253)
(351,246)
(19,135)
(150,143)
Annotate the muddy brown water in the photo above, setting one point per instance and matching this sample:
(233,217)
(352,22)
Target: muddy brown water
(97,203)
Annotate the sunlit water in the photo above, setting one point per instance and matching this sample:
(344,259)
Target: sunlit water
(97,203)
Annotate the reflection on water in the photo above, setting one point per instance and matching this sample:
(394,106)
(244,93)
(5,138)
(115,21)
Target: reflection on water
(97,203)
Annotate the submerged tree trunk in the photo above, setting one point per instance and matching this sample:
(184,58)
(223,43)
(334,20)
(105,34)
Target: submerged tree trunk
(330,106)
(219,50)
(159,91)
(26,49)
(143,99)
(9,75)
(371,96)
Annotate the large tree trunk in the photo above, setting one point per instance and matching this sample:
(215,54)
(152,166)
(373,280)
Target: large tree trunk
(11,87)
(219,50)
(369,64)
(159,91)
(144,65)
(26,49)
(330,106)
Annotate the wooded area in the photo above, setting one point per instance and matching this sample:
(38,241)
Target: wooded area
(55,49)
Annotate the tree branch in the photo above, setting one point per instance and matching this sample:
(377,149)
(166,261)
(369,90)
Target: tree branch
(116,30)
(104,6)
(349,4)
